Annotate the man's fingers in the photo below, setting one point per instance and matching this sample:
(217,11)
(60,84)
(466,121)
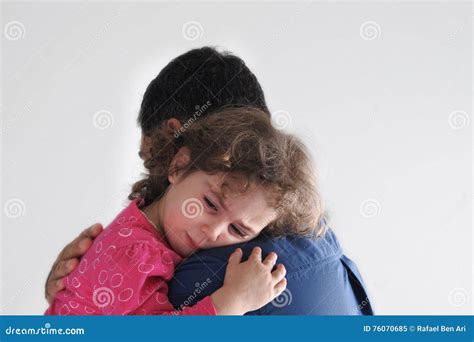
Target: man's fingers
(279,273)
(76,249)
(55,282)
(67,259)
(52,288)
(270,260)
(92,231)
(236,257)
(256,254)
(63,268)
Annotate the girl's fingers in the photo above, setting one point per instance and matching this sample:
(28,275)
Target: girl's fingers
(236,257)
(280,287)
(279,273)
(256,254)
(270,260)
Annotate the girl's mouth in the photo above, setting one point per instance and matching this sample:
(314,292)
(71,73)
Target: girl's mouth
(191,242)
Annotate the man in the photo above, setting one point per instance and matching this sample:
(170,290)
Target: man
(321,280)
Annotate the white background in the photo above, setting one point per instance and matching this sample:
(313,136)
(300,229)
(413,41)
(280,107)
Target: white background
(386,107)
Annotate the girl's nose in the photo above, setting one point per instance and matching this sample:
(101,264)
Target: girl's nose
(212,232)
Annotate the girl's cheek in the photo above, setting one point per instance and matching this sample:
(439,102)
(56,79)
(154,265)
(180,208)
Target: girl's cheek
(172,218)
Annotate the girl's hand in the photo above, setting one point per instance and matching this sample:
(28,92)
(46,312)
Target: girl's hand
(249,285)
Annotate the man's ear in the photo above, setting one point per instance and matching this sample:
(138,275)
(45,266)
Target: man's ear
(173,124)
(145,148)
(146,153)
(179,162)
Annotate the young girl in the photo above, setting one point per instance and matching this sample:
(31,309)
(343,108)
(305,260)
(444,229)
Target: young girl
(224,180)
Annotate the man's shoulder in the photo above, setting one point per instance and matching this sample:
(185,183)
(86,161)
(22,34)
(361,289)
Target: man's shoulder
(293,251)
(318,280)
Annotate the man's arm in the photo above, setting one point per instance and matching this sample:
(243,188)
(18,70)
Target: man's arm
(68,259)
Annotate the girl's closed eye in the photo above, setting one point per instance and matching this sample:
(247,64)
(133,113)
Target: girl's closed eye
(210,204)
(236,230)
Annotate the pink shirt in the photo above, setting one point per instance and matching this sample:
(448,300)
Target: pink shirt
(125,272)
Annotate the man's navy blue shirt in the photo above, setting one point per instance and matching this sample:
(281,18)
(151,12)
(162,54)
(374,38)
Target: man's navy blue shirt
(321,280)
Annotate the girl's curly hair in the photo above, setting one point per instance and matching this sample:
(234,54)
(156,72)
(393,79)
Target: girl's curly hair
(242,141)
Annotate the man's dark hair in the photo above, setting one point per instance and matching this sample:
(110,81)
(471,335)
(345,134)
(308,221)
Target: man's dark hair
(195,78)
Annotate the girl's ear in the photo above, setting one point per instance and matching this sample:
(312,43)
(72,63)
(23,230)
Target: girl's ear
(179,162)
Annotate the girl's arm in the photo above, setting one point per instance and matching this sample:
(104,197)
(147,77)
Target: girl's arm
(122,280)
(247,286)
(132,280)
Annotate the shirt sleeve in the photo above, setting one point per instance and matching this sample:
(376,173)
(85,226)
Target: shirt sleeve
(125,280)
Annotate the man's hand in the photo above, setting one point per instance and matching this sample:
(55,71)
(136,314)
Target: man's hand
(68,259)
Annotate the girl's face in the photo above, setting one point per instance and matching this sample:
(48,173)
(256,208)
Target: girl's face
(196,214)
